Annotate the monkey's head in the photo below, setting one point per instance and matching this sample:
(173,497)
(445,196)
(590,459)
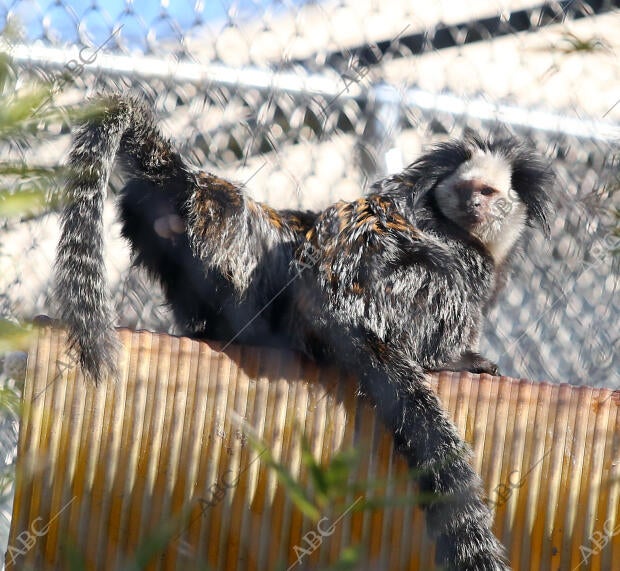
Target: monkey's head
(490,189)
(480,199)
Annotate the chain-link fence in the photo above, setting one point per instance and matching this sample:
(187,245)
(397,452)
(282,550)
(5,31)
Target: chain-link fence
(309,102)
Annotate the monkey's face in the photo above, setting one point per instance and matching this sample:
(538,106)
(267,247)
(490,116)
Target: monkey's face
(478,197)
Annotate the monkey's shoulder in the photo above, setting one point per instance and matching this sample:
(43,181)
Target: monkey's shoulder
(354,244)
(372,220)
(370,239)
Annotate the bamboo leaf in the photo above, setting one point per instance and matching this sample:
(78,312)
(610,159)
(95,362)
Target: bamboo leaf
(21,202)
(13,337)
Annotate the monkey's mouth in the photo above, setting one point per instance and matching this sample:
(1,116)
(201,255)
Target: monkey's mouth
(472,218)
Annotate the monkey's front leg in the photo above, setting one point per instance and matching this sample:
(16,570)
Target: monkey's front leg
(474,363)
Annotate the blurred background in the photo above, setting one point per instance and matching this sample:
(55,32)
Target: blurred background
(308,102)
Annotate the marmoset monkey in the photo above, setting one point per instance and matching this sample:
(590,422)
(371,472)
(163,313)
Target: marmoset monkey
(389,286)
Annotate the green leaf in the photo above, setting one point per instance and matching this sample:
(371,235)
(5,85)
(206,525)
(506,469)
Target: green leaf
(157,541)
(13,337)
(295,491)
(317,473)
(339,470)
(7,73)
(26,170)
(17,111)
(21,202)
(10,401)
(74,558)
(349,559)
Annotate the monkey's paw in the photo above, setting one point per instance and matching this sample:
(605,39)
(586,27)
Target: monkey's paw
(474,363)
(480,364)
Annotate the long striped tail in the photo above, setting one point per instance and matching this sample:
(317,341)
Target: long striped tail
(124,128)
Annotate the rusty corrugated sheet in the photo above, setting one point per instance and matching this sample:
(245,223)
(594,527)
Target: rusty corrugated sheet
(100,469)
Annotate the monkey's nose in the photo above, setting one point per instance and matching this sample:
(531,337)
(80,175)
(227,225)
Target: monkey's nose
(473,211)
(473,203)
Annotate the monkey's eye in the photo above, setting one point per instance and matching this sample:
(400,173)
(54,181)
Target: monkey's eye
(487,190)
